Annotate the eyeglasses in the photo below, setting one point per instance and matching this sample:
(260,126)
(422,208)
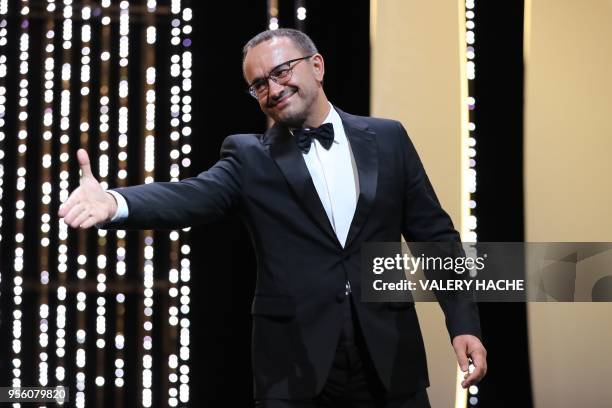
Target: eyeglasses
(280,74)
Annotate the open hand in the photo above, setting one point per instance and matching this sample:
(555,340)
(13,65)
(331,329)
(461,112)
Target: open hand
(469,347)
(89,204)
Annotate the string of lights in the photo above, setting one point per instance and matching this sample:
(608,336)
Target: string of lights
(3,71)
(471,235)
(273,14)
(60,311)
(300,14)
(175,125)
(46,162)
(120,266)
(470,173)
(103,167)
(3,67)
(149,167)
(84,77)
(185,248)
(22,139)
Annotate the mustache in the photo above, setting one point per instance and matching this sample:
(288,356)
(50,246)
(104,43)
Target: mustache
(272,101)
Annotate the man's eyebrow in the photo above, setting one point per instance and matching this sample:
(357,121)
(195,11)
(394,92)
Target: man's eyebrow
(280,65)
(256,80)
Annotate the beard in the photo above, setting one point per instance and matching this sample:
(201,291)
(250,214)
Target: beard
(291,119)
(295,114)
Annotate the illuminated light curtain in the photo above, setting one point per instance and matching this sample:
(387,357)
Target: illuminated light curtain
(77,331)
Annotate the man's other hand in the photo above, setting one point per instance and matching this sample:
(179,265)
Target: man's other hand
(89,204)
(469,347)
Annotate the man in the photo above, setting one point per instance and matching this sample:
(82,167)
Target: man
(311,190)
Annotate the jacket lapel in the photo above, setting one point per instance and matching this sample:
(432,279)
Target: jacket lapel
(289,159)
(365,152)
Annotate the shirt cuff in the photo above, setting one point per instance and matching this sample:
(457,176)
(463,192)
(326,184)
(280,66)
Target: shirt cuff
(122,206)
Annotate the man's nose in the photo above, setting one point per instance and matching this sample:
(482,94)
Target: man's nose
(275,90)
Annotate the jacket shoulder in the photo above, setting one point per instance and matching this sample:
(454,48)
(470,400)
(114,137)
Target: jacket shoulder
(244,139)
(383,124)
(378,125)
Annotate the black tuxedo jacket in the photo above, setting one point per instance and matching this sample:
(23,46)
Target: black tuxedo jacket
(301,266)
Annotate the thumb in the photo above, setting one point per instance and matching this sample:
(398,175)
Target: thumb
(83,159)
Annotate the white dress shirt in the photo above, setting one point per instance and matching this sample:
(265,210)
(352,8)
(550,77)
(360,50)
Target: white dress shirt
(334,177)
(333,173)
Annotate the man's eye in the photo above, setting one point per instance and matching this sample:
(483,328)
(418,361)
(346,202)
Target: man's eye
(281,73)
(259,86)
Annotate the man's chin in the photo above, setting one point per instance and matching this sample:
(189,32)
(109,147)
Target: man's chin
(288,118)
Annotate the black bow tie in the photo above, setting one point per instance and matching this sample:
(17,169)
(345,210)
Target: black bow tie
(324,134)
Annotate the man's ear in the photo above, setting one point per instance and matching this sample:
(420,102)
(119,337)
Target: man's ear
(318,66)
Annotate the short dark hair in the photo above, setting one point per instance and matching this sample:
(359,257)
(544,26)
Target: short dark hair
(301,40)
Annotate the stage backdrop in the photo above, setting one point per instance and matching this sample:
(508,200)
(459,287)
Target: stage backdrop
(568,193)
(419,77)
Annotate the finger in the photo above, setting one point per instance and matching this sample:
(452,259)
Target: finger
(73,213)
(73,200)
(90,222)
(84,164)
(63,210)
(479,357)
(76,223)
(479,366)
(474,377)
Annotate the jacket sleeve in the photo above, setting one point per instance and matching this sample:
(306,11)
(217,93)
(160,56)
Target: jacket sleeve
(207,197)
(424,220)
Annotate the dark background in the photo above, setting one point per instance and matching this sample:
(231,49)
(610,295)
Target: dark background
(499,194)
(224,267)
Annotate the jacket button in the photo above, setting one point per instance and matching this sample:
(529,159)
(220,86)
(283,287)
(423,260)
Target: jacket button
(340,297)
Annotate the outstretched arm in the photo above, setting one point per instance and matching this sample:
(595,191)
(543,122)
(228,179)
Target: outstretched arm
(209,196)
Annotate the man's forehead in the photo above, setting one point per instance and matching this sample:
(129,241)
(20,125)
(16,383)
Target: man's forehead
(268,54)
(275,45)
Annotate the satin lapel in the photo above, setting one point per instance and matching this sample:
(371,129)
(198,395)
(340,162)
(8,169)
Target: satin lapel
(289,159)
(365,151)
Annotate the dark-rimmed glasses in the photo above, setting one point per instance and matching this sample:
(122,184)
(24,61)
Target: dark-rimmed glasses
(280,74)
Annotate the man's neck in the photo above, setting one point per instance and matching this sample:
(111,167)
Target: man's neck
(320,113)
